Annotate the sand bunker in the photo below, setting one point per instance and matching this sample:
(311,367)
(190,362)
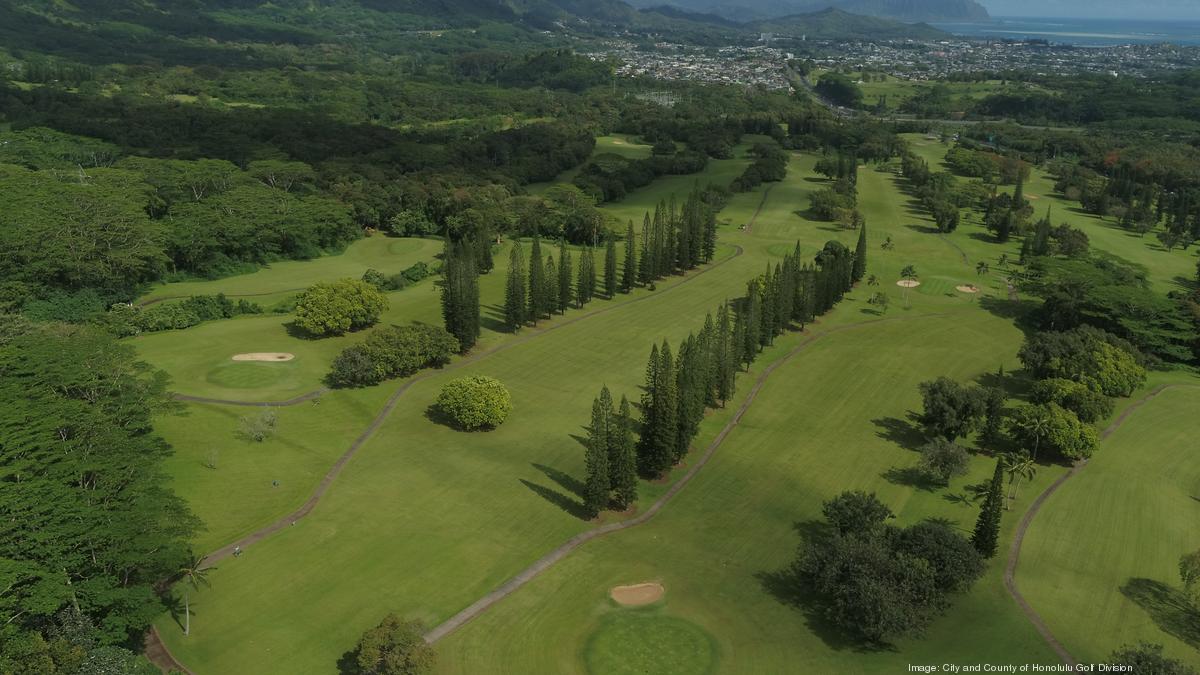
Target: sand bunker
(967,289)
(637,594)
(908,283)
(264,356)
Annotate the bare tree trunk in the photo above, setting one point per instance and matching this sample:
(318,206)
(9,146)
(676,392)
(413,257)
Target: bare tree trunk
(187,615)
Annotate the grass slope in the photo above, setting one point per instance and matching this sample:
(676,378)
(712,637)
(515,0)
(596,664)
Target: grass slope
(278,280)
(1100,563)
(425,519)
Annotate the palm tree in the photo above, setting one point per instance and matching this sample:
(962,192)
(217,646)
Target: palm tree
(981,268)
(910,274)
(195,574)
(1018,466)
(887,244)
(1037,425)
(872,280)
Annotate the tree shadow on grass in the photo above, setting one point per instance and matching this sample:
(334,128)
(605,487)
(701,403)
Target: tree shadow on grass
(1169,608)
(565,481)
(493,319)
(1012,310)
(571,506)
(912,477)
(901,432)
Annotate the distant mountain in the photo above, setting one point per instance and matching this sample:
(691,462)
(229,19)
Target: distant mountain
(177,32)
(832,24)
(901,10)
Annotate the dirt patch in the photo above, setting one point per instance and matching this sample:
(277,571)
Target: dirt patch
(637,594)
(1032,197)
(264,356)
(908,283)
(967,288)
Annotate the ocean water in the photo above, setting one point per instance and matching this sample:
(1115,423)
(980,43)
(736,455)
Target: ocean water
(1081,32)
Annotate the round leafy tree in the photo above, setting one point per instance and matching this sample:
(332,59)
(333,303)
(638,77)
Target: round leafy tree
(476,402)
(334,307)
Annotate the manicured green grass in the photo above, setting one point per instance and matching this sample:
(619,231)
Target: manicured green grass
(635,642)
(822,424)
(1100,562)
(1167,271)
(254,483)
(425,519)
(277,280)
(625,145)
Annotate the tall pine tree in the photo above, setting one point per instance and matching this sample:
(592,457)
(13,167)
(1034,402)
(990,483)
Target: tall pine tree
(515,300)
(597,486)
(629,272)
(460,293)
(550,284)
(610,265)
(647,265)
(537,285)
(987,528)
(860,255)
(564,277)
(622,458)
(585,284)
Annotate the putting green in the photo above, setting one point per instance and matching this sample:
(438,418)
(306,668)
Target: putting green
(637,642)
(250,375)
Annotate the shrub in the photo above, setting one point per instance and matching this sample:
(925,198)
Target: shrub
(394,351)
(332,308)
(476,402)
(260,427)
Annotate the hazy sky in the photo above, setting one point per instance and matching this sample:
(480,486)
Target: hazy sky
(1141,9)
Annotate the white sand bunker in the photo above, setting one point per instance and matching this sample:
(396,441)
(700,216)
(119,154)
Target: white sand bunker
(264,356)
(637,594)
(967,288)
(908,283)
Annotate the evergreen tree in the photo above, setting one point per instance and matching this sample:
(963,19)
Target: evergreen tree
(564,277)
(987,528)
(753,337)
(766,331)
(659,414)
(668,405)
(710,234)
(1041,238)
(690,396)
(647,265)
(645,447)
(597,486)
(585,285)
(622,458)
(482,243)
(724,355)
(707,341)
(460,293)
(610,266)
(630,272)
(550,284)
(537,284)
(860,255)
(515,300)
